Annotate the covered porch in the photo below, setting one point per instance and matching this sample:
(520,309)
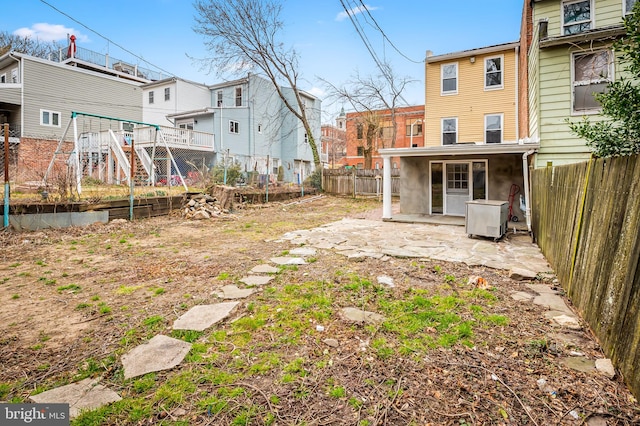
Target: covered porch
(437,182)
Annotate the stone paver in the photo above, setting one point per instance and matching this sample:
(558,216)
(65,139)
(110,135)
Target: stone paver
(234,292)
(359,316)
(86,394)
(256,279)
(410,240)
(303,251)
(264,269)
(159,353)
(201,317)
(286,260)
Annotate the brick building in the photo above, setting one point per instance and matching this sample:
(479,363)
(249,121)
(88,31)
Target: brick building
(408,134)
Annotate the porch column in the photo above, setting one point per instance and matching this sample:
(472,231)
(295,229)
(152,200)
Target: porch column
(386,188)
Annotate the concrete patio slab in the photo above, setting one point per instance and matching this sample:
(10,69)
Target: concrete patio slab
(86,394)
(159,353)
(201,317)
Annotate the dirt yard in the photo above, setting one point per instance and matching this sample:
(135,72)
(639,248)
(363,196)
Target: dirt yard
(75,300)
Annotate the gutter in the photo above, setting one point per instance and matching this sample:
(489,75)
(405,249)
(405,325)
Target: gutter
(527,196)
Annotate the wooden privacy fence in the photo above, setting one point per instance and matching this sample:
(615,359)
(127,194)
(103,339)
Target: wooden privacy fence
(586,219)
(358,182)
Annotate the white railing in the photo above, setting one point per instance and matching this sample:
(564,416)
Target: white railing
(175,138)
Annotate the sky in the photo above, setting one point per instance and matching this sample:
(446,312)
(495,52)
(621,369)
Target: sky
(161,33)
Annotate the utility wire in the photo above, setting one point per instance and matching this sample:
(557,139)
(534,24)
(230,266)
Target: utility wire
(385,35)
(107,38)
(383,69)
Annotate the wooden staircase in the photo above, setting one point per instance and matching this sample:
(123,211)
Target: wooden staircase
(140,177)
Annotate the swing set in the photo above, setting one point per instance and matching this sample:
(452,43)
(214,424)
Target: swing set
(112,156)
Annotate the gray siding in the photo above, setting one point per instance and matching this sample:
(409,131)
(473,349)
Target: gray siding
(64,89)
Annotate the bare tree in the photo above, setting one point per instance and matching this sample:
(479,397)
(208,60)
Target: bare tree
(243,34)
(26,45)
(369,95)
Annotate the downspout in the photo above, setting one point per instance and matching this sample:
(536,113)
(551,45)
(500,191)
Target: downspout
(527,197)
(517,93)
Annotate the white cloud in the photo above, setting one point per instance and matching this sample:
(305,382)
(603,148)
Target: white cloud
(50,32)
(317,92)
(359,9)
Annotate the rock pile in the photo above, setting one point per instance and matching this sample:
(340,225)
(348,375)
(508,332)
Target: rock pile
(202,206)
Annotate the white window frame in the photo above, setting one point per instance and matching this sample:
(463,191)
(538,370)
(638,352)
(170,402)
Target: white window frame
(448,92)
(238,99)
(3,78)
(51,115)
(486,71)
(186,124)
(575,84)
(219,99)
(486,116)
(626,11)
(14,75)
(442,130)
(234,127)
(167,94)
(592,12)
(151,96)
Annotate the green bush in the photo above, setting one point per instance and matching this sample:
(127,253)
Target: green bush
(234,173)
(315,179)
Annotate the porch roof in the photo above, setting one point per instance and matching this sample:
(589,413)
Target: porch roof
(460,149)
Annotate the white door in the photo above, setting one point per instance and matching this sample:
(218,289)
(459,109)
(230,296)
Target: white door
(457,189)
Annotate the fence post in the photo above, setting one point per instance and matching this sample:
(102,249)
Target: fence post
(354,183)
(6,175)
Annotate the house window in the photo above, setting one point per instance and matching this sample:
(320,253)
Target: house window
(187,125)
(151,97)
(576,16)
(259,128)
(49,118)
(233,126)
(127,127)
(449,74)
(306,138)
(167,93)
(3,78)
(449,131)
(628,6)
(394,165)
(238,96)
(14,75)
(493,128)
(359,131)
(386,132)
(417,129)
(591,74)
(360,151)
(493,73)
(219,99)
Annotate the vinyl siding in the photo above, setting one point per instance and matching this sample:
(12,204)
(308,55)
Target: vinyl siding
(607,13)
(534,87)
(472,102)
(65,89)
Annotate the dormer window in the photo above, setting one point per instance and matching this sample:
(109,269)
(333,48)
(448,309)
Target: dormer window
(576,16)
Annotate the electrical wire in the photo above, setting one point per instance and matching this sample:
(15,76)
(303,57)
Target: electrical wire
(107,38)
(385,35)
